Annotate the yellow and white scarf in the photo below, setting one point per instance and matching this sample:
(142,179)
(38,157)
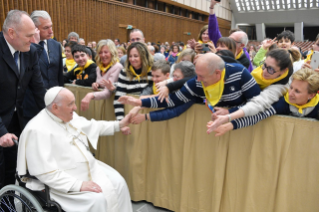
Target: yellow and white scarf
(138,76)
(263,83)
(105,69)
(70,63)
(81,69)
(213,93)
(312,103)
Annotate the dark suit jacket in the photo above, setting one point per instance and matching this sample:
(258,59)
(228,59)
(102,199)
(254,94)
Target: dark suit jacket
(13,85)
(52,75)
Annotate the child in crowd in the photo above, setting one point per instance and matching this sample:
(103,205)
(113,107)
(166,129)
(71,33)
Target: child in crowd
(85,72)
(285,40)
(160,72)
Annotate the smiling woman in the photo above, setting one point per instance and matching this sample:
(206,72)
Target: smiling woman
(107,72)
(135,76)
(301,100)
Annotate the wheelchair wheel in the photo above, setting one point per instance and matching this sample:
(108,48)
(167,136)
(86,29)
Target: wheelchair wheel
(14,198)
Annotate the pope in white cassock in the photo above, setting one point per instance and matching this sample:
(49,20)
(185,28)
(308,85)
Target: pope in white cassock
(54,148)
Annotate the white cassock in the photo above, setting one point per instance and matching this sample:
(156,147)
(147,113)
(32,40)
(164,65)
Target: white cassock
(57,154)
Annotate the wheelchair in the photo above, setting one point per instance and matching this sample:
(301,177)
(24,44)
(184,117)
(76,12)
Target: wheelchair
(14,198)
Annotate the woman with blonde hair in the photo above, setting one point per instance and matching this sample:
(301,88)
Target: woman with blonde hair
(135,76)
(107,72)
(301,100)
(121,51)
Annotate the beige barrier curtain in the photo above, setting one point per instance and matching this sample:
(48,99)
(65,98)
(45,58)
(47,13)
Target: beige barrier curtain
(270,167)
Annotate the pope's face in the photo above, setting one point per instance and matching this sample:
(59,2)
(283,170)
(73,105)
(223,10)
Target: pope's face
(66,107)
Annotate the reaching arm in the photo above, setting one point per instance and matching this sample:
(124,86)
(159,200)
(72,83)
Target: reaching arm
(213,30)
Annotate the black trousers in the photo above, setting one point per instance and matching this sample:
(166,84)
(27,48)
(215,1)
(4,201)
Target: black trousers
(8,155)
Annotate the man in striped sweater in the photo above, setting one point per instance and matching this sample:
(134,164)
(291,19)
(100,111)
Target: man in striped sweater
(239,86)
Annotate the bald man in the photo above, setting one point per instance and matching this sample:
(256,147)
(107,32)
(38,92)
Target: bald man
(58,155)
(19,70)
(220,84)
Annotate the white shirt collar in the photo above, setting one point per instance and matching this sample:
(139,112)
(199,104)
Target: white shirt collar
(12,50)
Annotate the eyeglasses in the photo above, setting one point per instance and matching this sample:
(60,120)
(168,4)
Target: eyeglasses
(270,70)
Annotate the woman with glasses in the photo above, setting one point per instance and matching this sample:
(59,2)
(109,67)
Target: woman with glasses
(272,77)
(301,100)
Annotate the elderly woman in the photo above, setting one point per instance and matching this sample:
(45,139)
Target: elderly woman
(107,72)
(135,76)
(301,100)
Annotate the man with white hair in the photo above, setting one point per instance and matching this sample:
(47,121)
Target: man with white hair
(54,147)
(50,61)
(19,70)
(73,36)
(220,84)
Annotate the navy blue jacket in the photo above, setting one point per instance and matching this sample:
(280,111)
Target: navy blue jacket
(52,75)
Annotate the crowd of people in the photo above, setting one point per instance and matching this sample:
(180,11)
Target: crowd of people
(239,84)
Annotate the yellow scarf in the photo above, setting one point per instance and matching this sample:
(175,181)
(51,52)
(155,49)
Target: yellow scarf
(88,63)
(155,91)
(263,83)
(69,63)
(138,76)
(309,56)
(240,54)
(312,103)
(214,92)
(63,55)
(105,69)
(201,42)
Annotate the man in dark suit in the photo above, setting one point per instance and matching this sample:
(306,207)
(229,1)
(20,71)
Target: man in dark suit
(50,60)
(19,70)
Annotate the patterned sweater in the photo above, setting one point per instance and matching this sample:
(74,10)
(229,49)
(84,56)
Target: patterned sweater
(127,86)
(239,87)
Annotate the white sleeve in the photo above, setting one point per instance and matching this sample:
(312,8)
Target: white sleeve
(61,181)
(264,100)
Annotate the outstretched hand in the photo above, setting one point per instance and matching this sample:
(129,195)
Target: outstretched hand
(108,84)
(221,130)
(217,121)
(163,93)
(129,100)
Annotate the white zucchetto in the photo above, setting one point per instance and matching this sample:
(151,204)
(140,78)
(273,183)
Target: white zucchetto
(51,94)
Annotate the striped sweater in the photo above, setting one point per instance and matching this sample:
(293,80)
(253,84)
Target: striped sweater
(127,86)
(280,107)
(239,87)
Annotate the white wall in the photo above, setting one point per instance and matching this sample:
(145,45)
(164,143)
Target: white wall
(222,11)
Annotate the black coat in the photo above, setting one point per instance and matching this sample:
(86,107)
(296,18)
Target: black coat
(13,85)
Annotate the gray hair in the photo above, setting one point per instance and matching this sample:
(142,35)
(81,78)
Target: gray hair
(151,48)
(187,68)
(244,38)
(73,34)
(13,20)
(158,56)
(80,39)
(137,30)
(216,63)
(35,15)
